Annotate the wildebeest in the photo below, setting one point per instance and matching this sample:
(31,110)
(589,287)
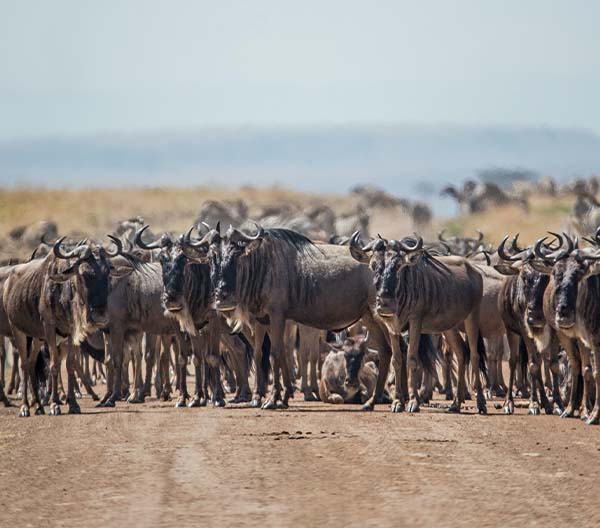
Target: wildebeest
(348,374)
(62,296)
(279,274)
(572,306)
(423,294)
(521,306)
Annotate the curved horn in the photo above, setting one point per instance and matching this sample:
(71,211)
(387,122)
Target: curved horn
(559,239)
(570,244)
(480,237)
(441,236)
(140,243)
(502,252)
(187,239)
(514,244)
(356,250)
(56,249)
(418,245)
(119,245)
(537,248)
(260,232)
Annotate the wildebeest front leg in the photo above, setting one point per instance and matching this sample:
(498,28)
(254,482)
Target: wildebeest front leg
(15,378)
(513,347)
(181,362)
(399,366)
(261,371)
(117,341)
(594,417)
(474,338)
(380,339)
(71,399)
(50,333)
(456,345)
(588,381)
(20,342)
(280,358)
(570,347)
(414,335)
(555,372)
(537,384)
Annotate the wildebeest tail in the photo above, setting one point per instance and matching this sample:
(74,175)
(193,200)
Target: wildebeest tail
(96,353)
(482,351)
(266,356)
(523,357)
(427,353)
(42,364)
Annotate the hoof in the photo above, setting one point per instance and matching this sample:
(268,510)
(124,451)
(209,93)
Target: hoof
(268,405)
(95,397)
(481,409)
(195,402)
(549,410)
(109,403)
(413,407)
(509,407)
(567,413)
(397,406)
(309,396)
(219,403)
(594,419)
(281,404)
(24,412)
(533,411)
(454,408)
(255,403)
(39,410)
(368,406)
(74,409)
(54,410)
(180,403)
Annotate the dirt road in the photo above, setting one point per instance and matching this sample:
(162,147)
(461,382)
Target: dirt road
(314,464)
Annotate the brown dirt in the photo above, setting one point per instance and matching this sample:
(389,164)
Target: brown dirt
(314,464)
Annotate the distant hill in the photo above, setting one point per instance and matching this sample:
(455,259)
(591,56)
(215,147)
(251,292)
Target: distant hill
(405,159)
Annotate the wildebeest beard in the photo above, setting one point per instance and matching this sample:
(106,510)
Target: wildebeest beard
(273,264)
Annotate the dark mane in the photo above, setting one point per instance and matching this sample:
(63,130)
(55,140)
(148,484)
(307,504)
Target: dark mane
(273,259)
(299,241)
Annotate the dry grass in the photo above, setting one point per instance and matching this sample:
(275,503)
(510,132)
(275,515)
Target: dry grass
(545,214)
(95,212)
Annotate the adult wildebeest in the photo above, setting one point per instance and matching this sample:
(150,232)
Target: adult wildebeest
(187,296)
(572,307)
(521,306)
(423,294)
(62,296)
(279,274)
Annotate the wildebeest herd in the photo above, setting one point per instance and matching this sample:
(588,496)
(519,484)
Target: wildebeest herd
(277,304)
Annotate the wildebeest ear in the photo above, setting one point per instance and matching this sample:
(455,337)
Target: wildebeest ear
(410,259)
(506,269)
(593,269)
(120,271)
(252,246)
(63,275)
(541,267)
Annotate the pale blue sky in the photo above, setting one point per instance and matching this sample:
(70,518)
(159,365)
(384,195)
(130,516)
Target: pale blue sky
(80,66)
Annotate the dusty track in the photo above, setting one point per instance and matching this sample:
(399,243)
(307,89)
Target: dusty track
(153,465)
